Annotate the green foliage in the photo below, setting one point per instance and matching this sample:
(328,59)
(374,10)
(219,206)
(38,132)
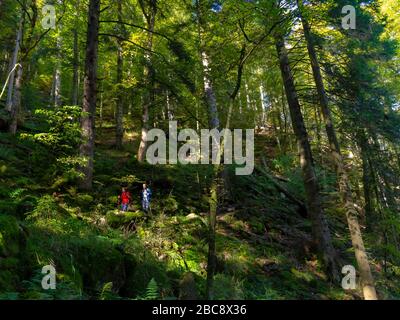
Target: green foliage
(261,240)
(46,208)
(117,218)
(107,292)
(9,235)
(84,200)
(169,205)
(65,289)
(152,290)
(64,133)
(228,288)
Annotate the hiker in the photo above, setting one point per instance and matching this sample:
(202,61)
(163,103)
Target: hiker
(124,199)
(146,197)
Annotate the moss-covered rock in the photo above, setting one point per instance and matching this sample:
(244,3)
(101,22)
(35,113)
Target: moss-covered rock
(117,218)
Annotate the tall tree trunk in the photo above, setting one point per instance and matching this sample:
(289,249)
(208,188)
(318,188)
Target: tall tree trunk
(75,77)
(248,103)
(120,106)
(14,60)
(214,123)
(57,76)
(212,221)
(90,94)
(148,99)
(13,104)
(322,235)
(170,113)
(344,185)
(209,91)
(16,102)
(263,106)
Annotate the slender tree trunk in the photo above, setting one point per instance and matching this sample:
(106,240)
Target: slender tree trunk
(57,73)
(90,94)
(212,221)
(367,182)
(240,104)
(248,103)
(209,91)
(75,77)
(322,235)
(263,107)
(120,106)
(13,104)
(214,123)
(344,185)
(170,112)
(9,102)
(148,99)
(16,102)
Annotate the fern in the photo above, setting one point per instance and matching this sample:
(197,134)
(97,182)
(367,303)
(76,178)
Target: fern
(152,290)
(106,291)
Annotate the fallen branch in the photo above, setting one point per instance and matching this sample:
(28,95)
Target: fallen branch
(279,187)
(8,79)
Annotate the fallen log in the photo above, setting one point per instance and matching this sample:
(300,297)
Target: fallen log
(302,207)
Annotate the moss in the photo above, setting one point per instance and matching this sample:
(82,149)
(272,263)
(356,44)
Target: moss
(84,200)
(116,218)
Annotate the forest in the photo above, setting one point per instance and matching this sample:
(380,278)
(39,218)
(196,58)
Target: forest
(101,200)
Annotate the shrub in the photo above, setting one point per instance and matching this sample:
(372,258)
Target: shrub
(46,207)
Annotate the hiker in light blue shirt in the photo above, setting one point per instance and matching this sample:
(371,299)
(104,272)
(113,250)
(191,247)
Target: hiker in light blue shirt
(146,198)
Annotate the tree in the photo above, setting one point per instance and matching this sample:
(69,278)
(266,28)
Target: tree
(149,10)
(321,231)
(12,99)
(120,64)
(344,185)
(90,94)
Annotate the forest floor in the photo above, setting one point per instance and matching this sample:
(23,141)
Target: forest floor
(263,243)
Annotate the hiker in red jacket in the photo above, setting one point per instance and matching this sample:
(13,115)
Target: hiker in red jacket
(124,199)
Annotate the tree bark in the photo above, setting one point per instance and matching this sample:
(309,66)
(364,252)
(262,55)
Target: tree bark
(344,185)
(120,106)
(14,60)
(57,72)
(263,106)
(209,91)
(16,102)
(148,98)
(321,232)
(90,94)
(75,77)
(57,75)
(214,123)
